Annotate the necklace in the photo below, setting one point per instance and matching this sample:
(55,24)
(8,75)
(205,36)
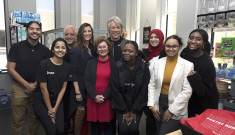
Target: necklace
(103,64)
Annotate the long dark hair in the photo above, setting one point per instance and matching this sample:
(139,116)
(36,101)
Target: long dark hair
(80,38)
(205,37)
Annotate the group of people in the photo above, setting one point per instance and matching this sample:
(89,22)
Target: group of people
(112,79)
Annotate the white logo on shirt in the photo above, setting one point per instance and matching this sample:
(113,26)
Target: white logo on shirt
(50,73)
(70,75)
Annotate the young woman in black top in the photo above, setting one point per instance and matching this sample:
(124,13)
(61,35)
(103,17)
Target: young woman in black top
(202,79)
(52,77)
(129,89)
(80,54)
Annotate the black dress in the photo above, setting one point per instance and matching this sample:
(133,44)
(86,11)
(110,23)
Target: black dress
(205,93)
(78,61)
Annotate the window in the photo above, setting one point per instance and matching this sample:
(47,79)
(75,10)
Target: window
(3,59)
(46,10)
(87,12)
(171,17)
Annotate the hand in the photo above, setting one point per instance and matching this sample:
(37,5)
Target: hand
(30,87)
(132,116)
(156,114)
(99,99)
(79,98)
(52,114)
(126,117)
(191,73)
(167,116)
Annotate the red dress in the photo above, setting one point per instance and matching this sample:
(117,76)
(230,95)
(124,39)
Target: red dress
(95,111)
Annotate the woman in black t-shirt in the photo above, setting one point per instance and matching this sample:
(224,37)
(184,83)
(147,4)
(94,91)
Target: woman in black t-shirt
(52,77)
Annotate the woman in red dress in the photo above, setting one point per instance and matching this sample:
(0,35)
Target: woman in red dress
(97,78)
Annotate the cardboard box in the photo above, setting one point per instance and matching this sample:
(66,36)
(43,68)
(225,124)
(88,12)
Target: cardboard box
(228,46)
(25,15)
(16,14)
(217,49)
(31,15)
(25,20)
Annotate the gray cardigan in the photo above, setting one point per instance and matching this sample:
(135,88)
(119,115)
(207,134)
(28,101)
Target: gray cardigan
(90,78)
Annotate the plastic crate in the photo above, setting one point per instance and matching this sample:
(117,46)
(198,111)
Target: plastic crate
(187,130)
(229,106)
(5,101)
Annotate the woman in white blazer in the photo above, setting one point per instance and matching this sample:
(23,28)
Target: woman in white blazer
(169,89)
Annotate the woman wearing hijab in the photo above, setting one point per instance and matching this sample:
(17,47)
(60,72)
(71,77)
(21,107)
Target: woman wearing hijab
(155,51)
(202,78)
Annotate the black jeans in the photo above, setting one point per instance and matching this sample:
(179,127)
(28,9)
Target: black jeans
(95,128)
(124,129)
(41,112)
(66,108)
(166,127)
(150,122)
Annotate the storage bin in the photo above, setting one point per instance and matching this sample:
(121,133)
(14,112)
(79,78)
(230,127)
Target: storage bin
(229,106)
(222,89)
(5,101)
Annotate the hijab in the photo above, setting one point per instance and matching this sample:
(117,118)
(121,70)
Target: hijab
(155,51)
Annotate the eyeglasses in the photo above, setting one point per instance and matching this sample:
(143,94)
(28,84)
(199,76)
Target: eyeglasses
(100,47)
(173,46)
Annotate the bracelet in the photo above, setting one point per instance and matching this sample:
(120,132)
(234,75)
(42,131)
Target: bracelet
(78,93)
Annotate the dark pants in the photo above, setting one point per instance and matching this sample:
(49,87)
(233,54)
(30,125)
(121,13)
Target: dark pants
(95,128)
(66,108)
(150,122)
(166,127)
(124,129)
(41,112)
(192,110)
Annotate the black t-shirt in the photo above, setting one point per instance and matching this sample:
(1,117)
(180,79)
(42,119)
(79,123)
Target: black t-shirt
(54,76)
(27,58)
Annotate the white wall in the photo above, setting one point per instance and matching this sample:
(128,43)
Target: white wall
(21,5)
(107,10)
(149,10)
(186,18)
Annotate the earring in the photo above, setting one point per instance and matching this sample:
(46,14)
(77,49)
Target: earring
(202,47)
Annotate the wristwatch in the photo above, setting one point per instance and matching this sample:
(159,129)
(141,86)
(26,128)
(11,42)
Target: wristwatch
(78,93)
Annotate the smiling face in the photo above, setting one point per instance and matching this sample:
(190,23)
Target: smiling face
(129,52)
(102,49)
(70,36)
(34,31)
(195,41)
(59,49)
(87,33)
(115,31)
(172,47)
(154,40)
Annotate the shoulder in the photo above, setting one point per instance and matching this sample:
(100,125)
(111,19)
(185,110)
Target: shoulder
(18,45)
(184,52)
(44,47)
(45,62)
(112,62)
(75,49)
(92,61)
(185,61)
(67,64)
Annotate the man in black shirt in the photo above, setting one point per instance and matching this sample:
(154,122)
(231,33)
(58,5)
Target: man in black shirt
(70,36)
(115,29)
(23,60)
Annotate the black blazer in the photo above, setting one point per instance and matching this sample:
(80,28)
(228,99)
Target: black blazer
(90,78)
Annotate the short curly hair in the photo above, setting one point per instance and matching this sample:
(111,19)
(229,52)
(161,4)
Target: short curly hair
(100,40)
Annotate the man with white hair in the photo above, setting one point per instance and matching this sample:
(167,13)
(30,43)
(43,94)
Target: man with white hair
(70,36)
(115,29)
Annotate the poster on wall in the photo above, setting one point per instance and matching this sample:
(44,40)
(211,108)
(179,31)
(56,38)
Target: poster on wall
(146,32)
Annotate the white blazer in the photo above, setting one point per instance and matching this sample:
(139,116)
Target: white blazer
(179,91)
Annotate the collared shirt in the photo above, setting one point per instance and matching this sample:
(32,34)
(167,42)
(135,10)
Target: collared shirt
(27,58)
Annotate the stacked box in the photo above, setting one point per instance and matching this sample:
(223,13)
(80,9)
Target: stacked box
(25,17)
